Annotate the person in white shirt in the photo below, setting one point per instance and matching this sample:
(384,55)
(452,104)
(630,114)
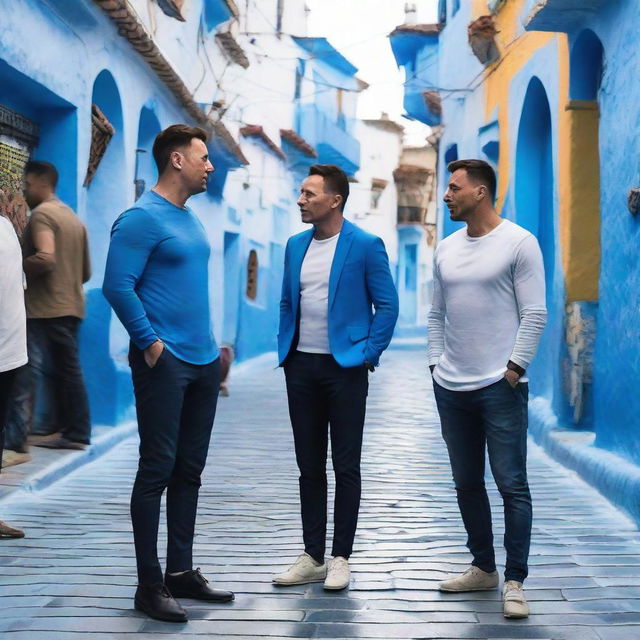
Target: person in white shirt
(338,309)
(13,331)
(485,323)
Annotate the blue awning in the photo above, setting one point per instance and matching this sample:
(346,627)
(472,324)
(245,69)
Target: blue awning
(218,11)
(323,50)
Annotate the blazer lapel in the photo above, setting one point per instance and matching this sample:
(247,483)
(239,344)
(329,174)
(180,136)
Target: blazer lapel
(342,250)
(296,265)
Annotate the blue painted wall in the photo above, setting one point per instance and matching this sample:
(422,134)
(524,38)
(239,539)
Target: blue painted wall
(47,84)
(616,398)
(604,66)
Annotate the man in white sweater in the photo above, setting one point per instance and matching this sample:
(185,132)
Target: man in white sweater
(485,323)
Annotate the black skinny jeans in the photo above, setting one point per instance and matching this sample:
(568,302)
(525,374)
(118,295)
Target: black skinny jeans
(176,405)
(323,397)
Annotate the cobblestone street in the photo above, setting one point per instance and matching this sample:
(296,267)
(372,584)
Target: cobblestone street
(74,575)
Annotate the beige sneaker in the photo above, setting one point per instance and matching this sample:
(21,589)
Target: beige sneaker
(338,574)
(515,604)
(473,579)
(11,458)
(305,569)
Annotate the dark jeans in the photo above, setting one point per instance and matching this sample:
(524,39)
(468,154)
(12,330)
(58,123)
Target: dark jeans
(56,340)
(20,410)
(6,383)
(495,417)
(175,404)
(323,395)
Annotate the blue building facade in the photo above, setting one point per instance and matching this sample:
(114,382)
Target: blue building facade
(106,77)
(545,92)
(325,115)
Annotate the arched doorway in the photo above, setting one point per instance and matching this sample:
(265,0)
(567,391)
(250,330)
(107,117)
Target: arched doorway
(104,354)
(146,173)
(535,211)
(586,66)
(534,175)
(106,193)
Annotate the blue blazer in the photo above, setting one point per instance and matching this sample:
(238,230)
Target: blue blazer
(359,280)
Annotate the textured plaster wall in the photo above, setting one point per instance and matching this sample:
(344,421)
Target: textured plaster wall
(616,397)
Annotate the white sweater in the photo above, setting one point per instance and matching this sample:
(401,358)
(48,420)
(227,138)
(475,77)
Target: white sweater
(488,306)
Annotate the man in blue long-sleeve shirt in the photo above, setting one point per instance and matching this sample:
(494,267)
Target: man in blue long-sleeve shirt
(156,280)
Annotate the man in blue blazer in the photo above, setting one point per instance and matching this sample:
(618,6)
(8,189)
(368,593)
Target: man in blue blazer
(338,310)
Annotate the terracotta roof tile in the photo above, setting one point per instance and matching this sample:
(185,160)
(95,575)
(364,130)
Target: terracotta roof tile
(408,171)
(299,142)
(385,124)
(418,29)
(129,27)
(255,130)
(225,135)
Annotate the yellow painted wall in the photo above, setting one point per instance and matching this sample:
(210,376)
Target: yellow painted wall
(577,152)
(581,238)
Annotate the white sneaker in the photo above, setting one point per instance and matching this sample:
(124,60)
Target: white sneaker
(514,603)
(473,579)
(305,569)
(338,574)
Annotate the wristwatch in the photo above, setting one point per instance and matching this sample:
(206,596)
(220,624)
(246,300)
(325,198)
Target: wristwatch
(512,366)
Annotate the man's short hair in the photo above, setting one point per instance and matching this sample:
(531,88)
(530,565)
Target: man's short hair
(335,180)
(477,170)
(42,170)
(173,137)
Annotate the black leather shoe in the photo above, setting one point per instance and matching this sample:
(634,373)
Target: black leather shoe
(156,601)
(192,584)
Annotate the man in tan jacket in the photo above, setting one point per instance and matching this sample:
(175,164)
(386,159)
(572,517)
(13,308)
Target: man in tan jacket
(56,263)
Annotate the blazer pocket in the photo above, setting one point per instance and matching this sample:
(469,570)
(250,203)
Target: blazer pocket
(358,332)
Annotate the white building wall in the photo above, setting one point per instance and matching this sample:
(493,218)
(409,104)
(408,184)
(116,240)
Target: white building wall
(379,156)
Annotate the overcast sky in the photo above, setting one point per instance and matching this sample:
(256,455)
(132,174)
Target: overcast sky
(359,30)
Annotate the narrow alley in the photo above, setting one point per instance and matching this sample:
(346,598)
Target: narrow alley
(74,575)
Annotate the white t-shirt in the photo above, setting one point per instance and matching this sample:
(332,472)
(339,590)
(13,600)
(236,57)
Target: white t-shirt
(13,323)
(314,295)
(488,306)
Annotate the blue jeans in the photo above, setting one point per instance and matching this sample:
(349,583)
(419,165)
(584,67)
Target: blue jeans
(51,342)
(494,417)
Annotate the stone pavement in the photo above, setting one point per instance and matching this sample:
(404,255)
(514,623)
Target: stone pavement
(74,576)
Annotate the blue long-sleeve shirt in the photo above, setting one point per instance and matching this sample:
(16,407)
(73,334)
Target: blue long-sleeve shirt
(157,278)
